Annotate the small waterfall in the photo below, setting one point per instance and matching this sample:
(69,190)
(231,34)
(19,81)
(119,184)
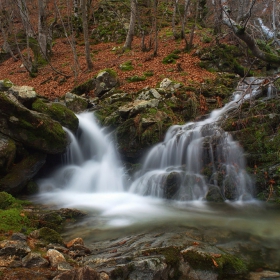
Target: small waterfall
(91,162)
(195,161)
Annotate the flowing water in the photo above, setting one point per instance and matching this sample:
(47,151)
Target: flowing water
(93,178)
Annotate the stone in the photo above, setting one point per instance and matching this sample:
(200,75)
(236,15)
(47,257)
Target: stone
(55,257)
(64,266)
(79,274)
(75,103)
(32,129)
(25,94)
(22,172)
(104,82)
(19,236)
(34,260)
(47,234)
(14,248)
(75,241)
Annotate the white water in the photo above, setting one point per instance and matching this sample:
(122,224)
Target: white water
(93,179)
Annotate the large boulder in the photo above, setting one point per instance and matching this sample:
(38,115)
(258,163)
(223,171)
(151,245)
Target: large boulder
(75,102)
(102,83)
(58,112)
(32,129)
(25,94)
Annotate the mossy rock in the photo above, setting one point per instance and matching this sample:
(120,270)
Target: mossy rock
(6,200)
(225,265)
(33,129)
(5,84)
(57,112)
(50,235)
(7,153)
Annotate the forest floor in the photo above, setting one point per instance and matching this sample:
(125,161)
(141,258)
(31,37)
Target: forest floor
(52,85)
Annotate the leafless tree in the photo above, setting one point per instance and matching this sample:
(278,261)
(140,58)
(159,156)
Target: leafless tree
(130,33)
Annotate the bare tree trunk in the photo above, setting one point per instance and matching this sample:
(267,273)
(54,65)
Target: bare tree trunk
(217,16)
(43,29)
(155,28)
(85,30)
(130,33)
(184,20)
(25,17)
(175,6)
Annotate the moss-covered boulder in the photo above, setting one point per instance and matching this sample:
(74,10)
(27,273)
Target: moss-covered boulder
(5,84)
(58,112)
(48,235)
(32,129)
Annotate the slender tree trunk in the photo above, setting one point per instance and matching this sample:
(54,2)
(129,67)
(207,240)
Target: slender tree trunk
(25,17)
(155,6)
(43,28)
(130,33)
(184,20)
(86,37)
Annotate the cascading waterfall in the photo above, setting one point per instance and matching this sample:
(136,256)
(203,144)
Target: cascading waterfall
(91,162)
(196,160)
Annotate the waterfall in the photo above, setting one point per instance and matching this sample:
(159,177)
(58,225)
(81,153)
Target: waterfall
(196,161)
(91,162)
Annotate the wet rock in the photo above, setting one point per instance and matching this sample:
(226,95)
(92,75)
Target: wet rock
(34,260)
(264,275)
(214,194)
(55,257)
(14,248)
(172,184)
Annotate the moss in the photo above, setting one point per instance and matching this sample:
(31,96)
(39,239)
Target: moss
(126,66)
(136,78)
(14,220)
(112,72)
(50,235)
(6,200)
(226,265)
(57,112)
(171,58)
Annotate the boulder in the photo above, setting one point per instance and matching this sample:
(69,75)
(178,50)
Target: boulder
(48,235)
(22,172)
(24,94)
(58,112)
(75,103)
(32,129)
(14,248)
(104,82)
(55,257)
(34,260)
(7,153)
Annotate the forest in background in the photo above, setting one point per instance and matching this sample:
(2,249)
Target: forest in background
(55,45)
